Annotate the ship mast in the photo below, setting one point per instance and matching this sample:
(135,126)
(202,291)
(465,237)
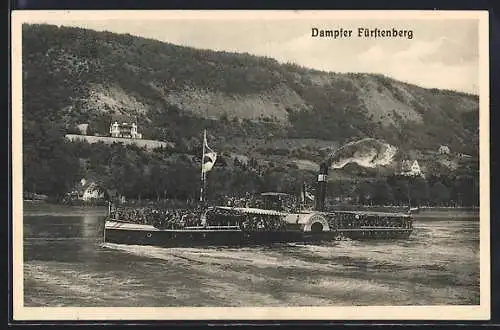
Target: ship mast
(206,165)
(203,173)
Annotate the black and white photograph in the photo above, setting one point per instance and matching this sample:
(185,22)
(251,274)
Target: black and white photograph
(250,165)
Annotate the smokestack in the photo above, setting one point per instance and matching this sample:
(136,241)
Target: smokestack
(321,188)
(303,197)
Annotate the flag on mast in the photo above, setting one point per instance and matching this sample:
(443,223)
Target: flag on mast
(209,156)
(307,194)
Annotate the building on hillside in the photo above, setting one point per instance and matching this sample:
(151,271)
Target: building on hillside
(83,128)
(87,191)
(124,127)
(444,150)
(92,192)
(409,168)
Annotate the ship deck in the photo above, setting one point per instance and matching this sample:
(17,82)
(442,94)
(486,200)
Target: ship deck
(122,225)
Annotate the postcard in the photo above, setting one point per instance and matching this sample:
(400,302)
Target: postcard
(250,165)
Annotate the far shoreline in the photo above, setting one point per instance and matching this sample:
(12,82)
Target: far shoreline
(43,208)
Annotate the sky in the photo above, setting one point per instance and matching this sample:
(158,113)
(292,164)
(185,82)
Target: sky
(442,53)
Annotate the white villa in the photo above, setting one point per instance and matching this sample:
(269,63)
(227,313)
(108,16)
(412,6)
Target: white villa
(92,192)
(123,127)
(444,150)
(87,191)
(409,168)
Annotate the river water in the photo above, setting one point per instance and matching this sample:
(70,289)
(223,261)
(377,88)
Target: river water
(66,264)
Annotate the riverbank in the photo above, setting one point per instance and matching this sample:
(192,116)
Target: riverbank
(423,212)
(453,213)
(44,209)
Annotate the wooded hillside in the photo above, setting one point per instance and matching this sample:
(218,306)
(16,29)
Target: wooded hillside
(253,107)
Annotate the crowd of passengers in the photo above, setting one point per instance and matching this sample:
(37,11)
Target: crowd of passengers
(180,218)
(159,217)
(256,202)
(246,222)
(352,222)
(263,223)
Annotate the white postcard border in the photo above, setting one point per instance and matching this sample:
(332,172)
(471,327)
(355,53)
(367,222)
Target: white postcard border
(481,312)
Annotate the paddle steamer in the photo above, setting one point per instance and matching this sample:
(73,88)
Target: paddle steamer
(270,223)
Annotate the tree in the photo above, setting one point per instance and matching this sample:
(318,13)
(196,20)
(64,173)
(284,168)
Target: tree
(65,169)
(419,191)
(158,179)
(465,190)
(439,194)
(382,193)
(49,164)
(364,192)
(400,189)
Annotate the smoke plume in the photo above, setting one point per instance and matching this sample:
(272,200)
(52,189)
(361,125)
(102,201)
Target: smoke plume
(367,152)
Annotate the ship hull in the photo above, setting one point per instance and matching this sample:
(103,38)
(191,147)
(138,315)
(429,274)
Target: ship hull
(148,235)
